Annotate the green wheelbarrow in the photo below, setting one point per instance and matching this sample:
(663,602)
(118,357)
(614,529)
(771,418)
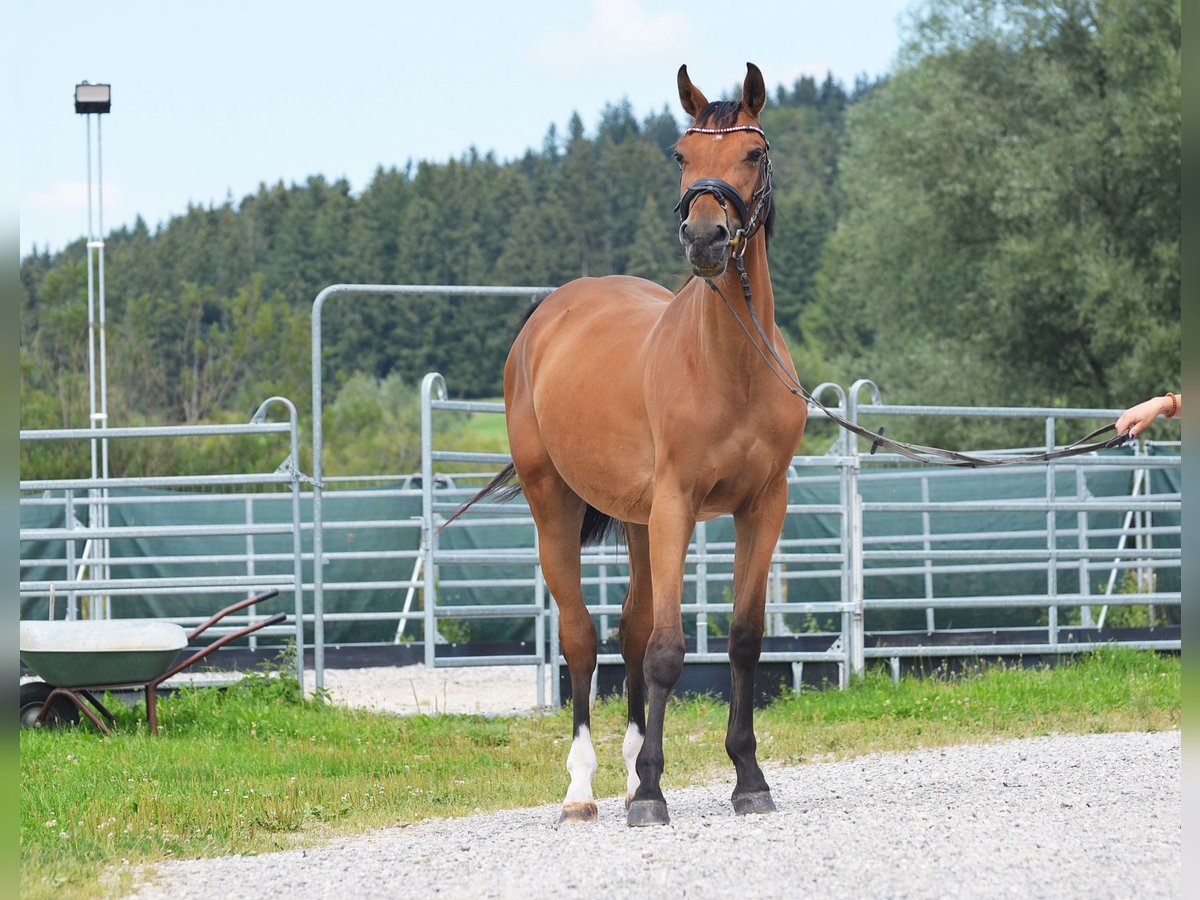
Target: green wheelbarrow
(77,659)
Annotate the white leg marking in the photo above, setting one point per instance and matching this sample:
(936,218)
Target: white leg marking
(581,763)
(630,749)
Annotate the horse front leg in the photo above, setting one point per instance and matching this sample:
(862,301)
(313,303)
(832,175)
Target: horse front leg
(757,531)
(670,529)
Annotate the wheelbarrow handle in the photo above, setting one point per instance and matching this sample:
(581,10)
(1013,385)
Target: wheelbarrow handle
(241,604)
(220,642)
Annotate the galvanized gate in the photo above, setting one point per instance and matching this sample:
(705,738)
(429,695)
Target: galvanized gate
(851,556)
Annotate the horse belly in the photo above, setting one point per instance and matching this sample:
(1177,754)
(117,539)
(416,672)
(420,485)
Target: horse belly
(614,475)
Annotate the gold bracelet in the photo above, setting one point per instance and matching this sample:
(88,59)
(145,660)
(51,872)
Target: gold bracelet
(1174,405)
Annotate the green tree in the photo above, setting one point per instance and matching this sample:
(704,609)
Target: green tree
(193,354)
(1011,233)
(578,184)
(374,427)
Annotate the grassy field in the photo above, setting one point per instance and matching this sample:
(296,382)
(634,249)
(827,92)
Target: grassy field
(487,430)
(256,769)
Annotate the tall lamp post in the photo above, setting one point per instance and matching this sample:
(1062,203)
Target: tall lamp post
(93,101)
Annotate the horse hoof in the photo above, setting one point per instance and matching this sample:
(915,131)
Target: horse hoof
(647,812)
(573,813)
(756,803)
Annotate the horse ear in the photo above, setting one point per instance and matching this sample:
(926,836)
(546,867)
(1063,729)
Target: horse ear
(689,95)
(754,92)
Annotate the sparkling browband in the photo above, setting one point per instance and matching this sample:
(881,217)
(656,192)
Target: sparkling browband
(753,128)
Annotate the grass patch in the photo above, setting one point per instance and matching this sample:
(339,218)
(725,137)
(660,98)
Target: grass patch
(254,768)
(487,431)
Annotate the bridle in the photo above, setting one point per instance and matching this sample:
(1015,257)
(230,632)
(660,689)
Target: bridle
(752,219)
(727,195)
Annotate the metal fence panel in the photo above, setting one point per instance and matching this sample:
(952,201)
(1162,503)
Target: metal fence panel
(923,560)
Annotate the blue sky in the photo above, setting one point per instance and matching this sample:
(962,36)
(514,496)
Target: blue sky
(212,99)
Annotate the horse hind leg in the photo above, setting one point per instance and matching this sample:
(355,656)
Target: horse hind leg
(558,514)
(577,637)
(637,620)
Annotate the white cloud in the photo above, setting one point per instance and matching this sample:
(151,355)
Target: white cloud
(69,196)
(619,32)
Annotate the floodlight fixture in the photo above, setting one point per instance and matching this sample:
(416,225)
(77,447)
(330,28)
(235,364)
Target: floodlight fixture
(93,98)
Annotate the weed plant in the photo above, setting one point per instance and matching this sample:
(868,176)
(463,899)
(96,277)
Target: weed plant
(256,767)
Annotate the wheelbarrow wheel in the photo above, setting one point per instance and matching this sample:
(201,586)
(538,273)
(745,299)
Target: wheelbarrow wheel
(33,697)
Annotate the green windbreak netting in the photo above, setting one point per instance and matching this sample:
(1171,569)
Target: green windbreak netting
(183,556)
(371,537)
(988,531)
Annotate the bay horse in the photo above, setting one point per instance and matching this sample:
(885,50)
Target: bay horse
(628,405)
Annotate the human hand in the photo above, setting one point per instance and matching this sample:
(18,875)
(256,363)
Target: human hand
(1136,418)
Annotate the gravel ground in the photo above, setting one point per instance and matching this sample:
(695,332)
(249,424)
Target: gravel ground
(1095,816)
(488,690)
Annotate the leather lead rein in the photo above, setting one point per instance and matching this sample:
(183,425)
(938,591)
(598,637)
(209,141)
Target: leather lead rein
(935,456)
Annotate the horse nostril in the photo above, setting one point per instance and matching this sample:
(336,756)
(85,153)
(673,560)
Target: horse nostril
(712,234)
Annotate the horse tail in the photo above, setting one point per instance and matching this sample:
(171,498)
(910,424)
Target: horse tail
(596,528)
(503,487)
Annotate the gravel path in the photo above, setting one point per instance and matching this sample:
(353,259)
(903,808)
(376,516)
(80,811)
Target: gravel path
(488,690)
(1095,816)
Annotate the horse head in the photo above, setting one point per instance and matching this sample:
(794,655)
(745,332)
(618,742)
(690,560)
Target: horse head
(725,174)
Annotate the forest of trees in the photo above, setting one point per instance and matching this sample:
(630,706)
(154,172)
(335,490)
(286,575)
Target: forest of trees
(996,222)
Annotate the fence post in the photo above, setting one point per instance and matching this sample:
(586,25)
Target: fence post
(430,383)
(1082,519)
(292,465)
(855,637)
(1051,539)
(702,587)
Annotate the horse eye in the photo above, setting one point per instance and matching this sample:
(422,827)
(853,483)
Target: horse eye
(679,160)
(754,155)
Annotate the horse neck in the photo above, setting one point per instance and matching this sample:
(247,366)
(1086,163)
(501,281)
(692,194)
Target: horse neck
(719,320)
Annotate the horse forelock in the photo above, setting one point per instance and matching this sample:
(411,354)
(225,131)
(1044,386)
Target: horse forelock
(719,114)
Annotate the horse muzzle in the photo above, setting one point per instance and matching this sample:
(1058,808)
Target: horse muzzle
(707,239)
(706,246)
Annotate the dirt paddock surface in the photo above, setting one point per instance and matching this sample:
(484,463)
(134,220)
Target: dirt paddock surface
(1095,816)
